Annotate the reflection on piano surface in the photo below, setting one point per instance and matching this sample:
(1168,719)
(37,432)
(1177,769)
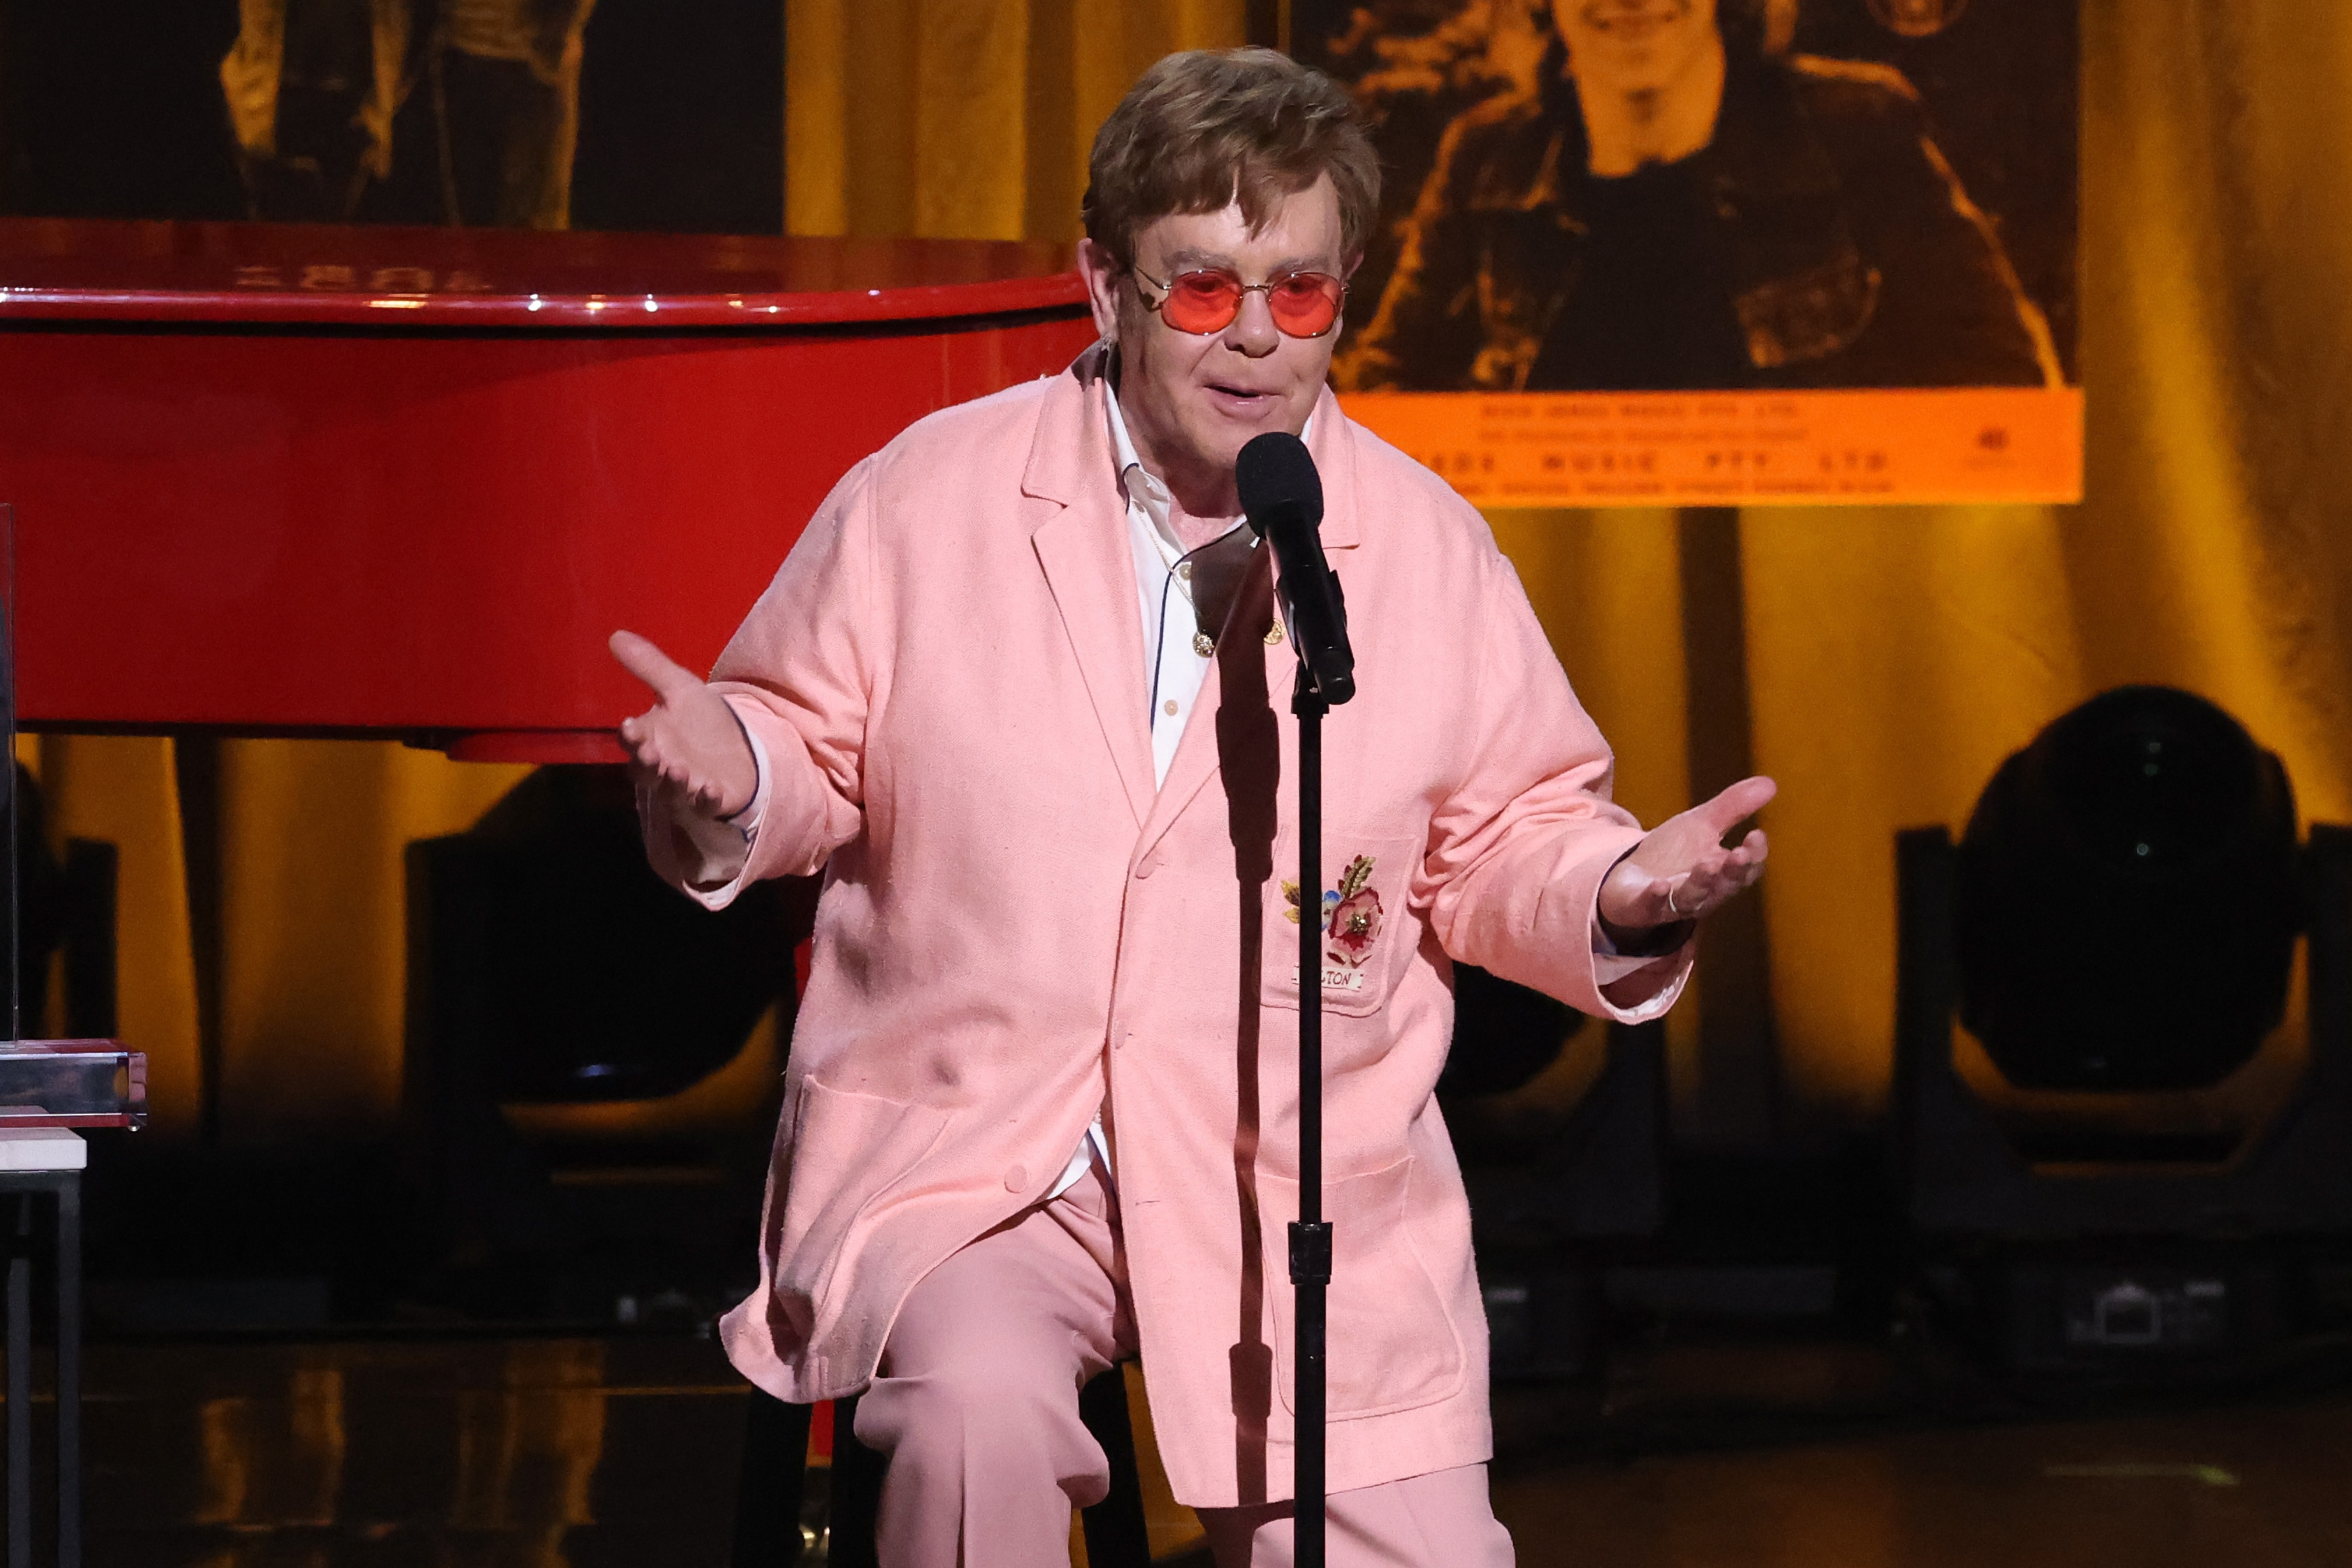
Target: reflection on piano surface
(276,479)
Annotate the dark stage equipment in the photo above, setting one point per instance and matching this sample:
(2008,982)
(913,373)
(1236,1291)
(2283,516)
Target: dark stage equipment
(1558,1197)
(549,967)
(2120,917)
(1555,1222)
(556,967)
(1505,1034)
(2129,899)
(47,1087)
(64,908)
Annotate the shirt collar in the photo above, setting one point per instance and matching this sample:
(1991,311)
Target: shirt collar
(1143,490)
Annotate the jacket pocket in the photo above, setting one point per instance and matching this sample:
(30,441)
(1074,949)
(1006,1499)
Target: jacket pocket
(1391,1344)
(1368,933)
(848,1149)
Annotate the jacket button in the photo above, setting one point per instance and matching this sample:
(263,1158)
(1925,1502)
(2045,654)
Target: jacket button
(1017,1178)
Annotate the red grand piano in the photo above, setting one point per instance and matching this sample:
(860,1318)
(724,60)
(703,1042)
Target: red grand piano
(275,481)
(272,479)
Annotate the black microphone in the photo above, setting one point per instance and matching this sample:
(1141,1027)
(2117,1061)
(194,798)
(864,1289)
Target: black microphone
(1282,496)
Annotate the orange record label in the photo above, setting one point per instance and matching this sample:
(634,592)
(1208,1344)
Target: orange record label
(1740,448)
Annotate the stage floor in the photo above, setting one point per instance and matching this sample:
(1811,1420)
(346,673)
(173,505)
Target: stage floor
(2245,1488)
(589,1452)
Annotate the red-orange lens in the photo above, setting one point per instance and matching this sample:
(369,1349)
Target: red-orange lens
(1202,301)
(1304,304)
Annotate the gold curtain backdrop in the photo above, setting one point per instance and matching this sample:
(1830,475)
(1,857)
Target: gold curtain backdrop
(964,118)
(312,950)
(1894,655)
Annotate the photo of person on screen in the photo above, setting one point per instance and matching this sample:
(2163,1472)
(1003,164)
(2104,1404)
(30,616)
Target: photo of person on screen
(1680,201)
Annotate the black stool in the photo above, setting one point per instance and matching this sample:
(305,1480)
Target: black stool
(775,1470)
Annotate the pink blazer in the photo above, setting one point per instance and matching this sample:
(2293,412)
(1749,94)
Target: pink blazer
(947,675)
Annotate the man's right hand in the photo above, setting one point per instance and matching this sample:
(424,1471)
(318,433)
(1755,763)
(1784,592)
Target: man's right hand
(689,738)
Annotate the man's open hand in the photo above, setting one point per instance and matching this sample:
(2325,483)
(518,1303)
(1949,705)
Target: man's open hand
(688,739)
(1681,870)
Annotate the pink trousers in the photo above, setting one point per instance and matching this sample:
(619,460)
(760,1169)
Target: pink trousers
(976,1405)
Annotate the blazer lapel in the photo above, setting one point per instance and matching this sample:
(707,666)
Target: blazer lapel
(1090,566)
(1334,451)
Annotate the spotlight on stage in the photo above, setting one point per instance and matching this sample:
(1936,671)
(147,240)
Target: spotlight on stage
(2129,899)
(2120,918)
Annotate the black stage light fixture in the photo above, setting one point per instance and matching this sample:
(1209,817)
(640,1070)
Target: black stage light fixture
(2129,898)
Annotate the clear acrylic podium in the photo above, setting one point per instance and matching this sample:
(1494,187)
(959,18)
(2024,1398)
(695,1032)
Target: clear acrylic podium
(47,1090)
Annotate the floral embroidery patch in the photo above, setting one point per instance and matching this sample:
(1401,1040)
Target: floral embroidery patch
(1354,923)
(1351,917)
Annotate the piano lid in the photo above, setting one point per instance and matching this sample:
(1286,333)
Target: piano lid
(261,274)
(405,482)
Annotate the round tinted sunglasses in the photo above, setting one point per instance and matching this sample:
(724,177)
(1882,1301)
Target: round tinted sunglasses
(1303,304)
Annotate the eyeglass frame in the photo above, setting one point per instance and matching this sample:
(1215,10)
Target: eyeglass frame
(1167,289)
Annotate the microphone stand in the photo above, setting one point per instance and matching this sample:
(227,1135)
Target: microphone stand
(1310,1234)
(1283,497)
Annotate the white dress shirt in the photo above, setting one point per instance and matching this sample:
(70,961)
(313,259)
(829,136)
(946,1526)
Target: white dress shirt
(1176,658)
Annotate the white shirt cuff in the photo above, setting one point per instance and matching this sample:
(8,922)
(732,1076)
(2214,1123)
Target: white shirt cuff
(746,820)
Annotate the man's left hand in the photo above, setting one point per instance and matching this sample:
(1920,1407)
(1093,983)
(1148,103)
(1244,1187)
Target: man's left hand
(1681,870)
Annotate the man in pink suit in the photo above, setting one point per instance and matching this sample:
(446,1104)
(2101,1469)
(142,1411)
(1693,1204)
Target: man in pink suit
(1020,691)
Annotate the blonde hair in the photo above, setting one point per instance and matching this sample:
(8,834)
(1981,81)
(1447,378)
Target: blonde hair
(1210,127)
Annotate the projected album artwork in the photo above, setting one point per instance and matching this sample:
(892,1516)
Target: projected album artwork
(1717,251)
